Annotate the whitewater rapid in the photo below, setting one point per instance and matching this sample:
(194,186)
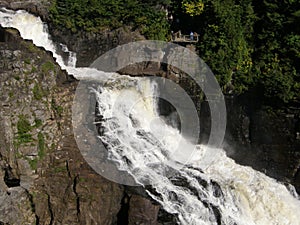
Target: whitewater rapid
(223,193)
(140,142)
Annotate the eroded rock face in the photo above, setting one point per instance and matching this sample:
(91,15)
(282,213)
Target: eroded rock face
(90,46)
(36,7)
(142,211)
(265,138)
(43,177)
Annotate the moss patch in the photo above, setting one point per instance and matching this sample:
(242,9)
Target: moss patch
(24,128)
(41,146)
(38,92)
(60,169)
(47,66)
(33,163)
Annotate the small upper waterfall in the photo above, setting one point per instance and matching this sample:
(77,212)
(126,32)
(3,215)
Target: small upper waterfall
(32,28)
(140,142)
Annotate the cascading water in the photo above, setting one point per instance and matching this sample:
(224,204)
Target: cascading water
(139,141)
(32,28)
(224,193)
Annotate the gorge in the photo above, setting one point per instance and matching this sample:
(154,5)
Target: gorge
(225,193)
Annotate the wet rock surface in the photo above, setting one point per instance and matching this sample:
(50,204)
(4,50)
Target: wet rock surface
(142,211)
(264,137)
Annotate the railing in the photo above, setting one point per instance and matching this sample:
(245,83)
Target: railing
(185,38)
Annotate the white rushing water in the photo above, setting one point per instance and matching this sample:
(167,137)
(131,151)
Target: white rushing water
(32,28)
(140,142)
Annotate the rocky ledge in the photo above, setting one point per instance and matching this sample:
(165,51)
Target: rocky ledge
(36,7)
(43,177)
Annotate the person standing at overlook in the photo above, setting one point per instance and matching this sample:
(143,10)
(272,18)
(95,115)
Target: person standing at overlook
(192,35)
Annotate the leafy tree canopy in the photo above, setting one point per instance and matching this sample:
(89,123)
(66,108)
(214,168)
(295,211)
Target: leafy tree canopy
(249,44)
(97,15)
(193,7)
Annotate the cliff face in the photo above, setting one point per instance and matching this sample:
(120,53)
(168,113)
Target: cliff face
(90,46)
(264,137)
(43,177)
(45,172)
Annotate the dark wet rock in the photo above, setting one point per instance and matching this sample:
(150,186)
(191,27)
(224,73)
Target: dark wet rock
(10,179)
(90,46)
(264,137)
(142,211)
(165,218)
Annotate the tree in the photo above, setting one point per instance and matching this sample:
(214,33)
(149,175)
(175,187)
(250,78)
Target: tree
(193,7)
(94,16)
(226,43)
(277,48)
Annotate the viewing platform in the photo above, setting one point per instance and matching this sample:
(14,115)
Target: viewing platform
(179,38)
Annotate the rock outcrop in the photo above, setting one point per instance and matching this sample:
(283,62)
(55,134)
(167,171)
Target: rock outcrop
(264,137)
(90,46)
(43,177)
(36,7)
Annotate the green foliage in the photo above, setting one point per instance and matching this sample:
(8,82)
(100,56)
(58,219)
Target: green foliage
(17,77)
(225,42)
(24,136)
(11,94)
(278,48)
(41,145)
(33,69)
(31,47)
(41,152)
(24,128)
(248,44)
(38,92)
(95,16)
(153,25)
(27,61)
(60,169)
(33,163)
(193,7)
(47,66)
(82,179)
(38,123)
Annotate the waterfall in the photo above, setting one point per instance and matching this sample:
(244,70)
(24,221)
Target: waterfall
(140,142)
(32,28)
(224,193)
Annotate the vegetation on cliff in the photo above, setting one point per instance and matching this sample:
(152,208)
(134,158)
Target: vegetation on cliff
(249,44)
(147,16)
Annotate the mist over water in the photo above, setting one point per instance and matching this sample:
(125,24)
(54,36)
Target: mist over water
(141,143)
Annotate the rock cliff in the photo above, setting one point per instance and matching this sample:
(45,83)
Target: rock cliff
(43,177)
